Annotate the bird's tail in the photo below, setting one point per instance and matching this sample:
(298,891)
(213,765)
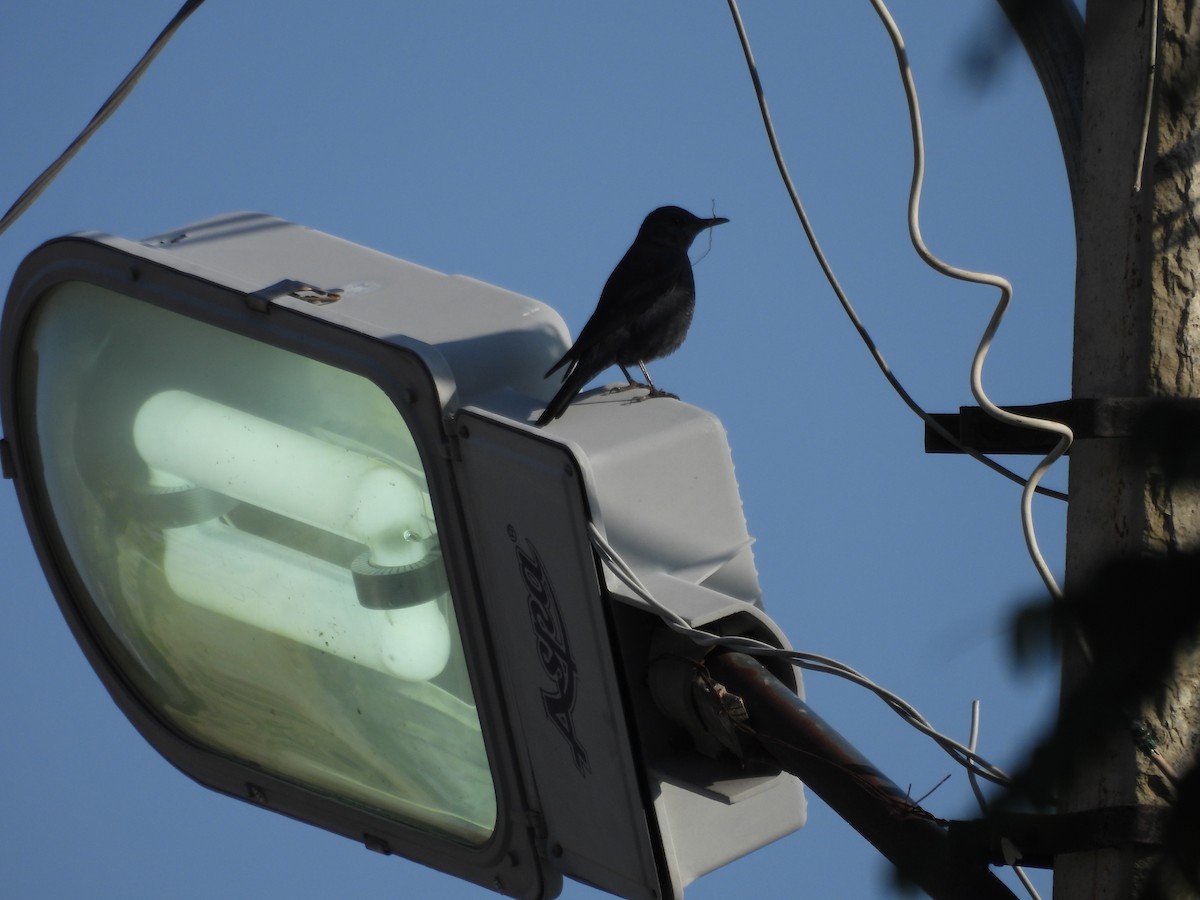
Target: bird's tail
(573,384)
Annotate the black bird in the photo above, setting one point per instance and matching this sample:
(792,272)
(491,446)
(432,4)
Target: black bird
(644,310)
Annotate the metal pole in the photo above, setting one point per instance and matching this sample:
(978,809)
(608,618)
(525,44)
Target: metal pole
(805,745)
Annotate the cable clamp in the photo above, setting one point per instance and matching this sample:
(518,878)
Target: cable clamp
(1042,837)
(1088,418)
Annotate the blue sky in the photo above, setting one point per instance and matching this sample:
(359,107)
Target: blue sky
(521,144)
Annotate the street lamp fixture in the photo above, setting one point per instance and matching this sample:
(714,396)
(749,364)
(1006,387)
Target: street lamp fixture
(287,496)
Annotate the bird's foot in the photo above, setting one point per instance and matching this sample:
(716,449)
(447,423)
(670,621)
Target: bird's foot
(652,393)
(626,387)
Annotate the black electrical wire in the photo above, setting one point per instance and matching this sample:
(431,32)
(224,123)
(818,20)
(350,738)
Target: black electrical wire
(102,115)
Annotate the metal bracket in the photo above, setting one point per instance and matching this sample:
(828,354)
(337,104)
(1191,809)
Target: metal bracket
(260,300)
(1100,417)
(1037,839)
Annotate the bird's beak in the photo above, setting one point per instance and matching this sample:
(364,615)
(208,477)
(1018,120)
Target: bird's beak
(719,220)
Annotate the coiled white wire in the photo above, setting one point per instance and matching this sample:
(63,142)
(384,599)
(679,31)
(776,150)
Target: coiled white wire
(1064,433)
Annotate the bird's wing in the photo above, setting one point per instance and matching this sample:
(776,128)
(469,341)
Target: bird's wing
(641,277)
(645,275)
(568,357)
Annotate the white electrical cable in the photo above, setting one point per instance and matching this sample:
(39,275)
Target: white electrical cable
(1065,435)
(836,286)
(1148,104)
(971,741)
(964,756)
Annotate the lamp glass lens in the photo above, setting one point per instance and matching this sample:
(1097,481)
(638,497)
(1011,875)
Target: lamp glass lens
(254,540)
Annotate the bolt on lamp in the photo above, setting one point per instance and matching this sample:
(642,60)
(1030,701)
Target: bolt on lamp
(286,495)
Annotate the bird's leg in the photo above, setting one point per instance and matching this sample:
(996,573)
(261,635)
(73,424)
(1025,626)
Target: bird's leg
(629,378)
(655,392)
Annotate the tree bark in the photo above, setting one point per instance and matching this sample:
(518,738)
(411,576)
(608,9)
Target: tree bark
(1137,334)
